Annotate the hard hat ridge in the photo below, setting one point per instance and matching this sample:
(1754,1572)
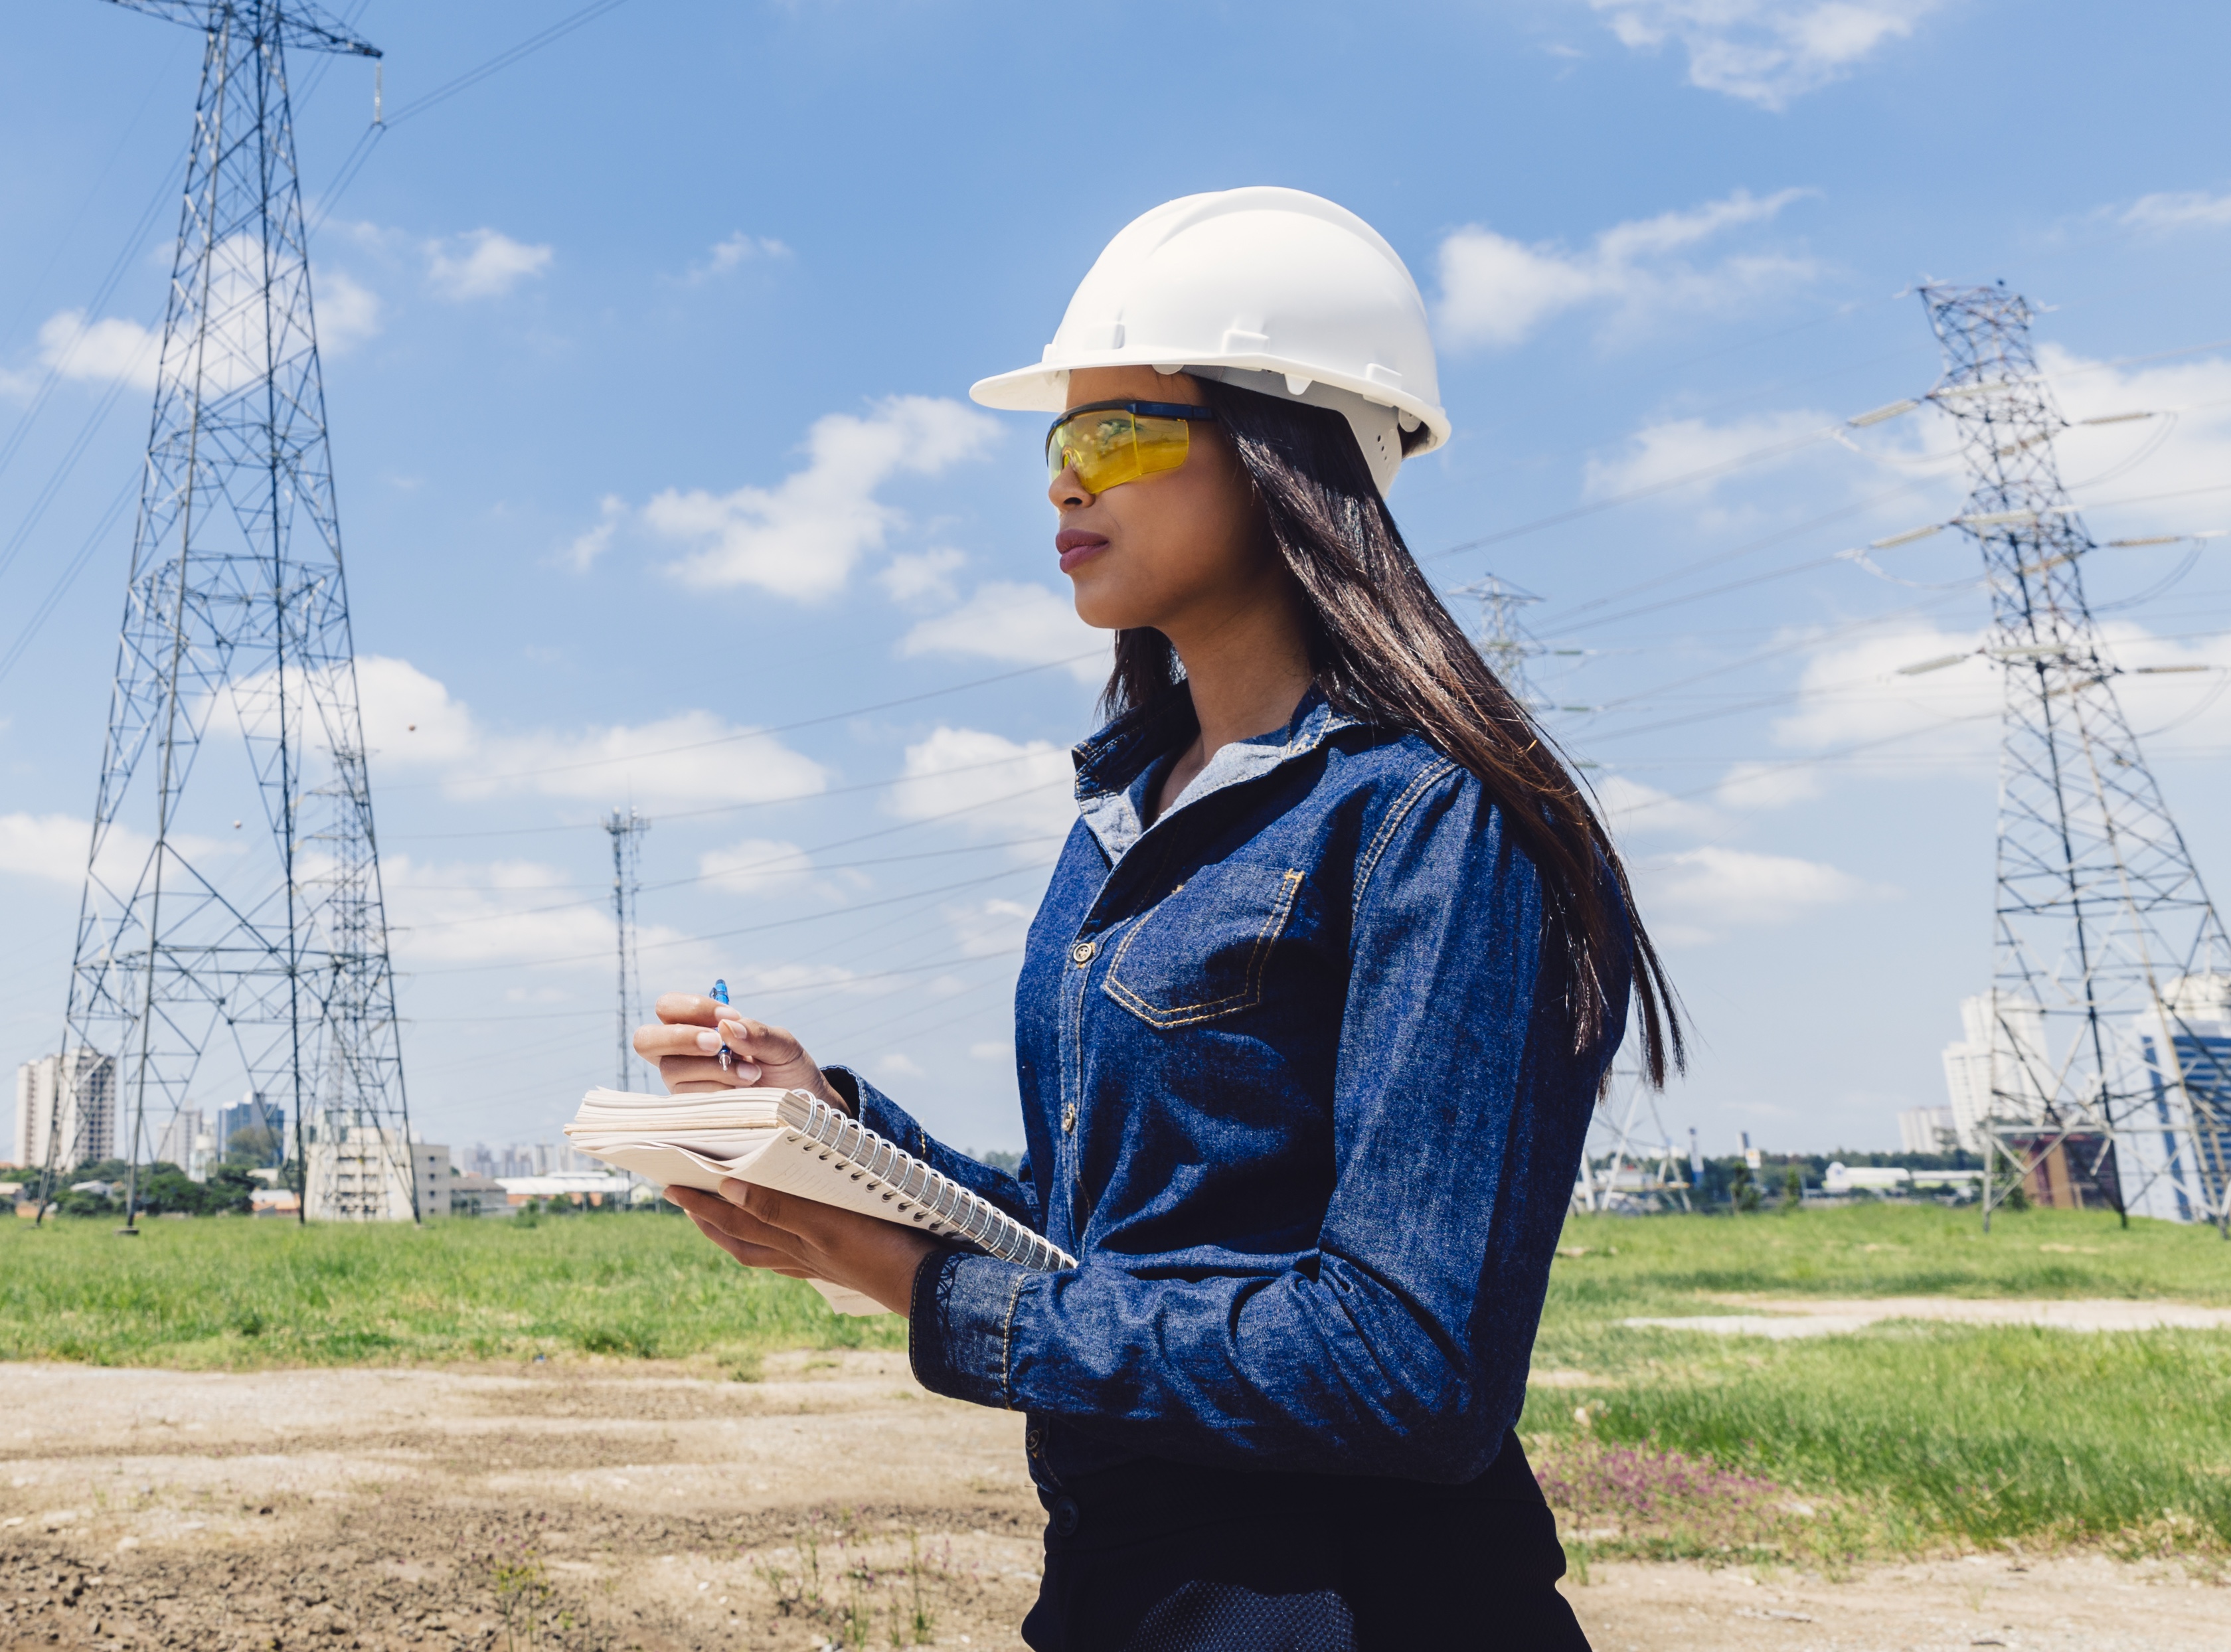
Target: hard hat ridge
(1269,290)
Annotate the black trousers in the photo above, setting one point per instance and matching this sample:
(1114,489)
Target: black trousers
(1161,1557)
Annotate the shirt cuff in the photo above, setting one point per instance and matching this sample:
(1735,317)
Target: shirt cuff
(961,1326)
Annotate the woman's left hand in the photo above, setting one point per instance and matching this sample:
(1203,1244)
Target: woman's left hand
(761,1227)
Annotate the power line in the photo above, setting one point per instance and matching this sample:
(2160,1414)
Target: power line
(758,734)
(749,928)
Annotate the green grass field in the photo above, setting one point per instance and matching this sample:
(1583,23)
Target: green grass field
(238,1292)
(1907,1437)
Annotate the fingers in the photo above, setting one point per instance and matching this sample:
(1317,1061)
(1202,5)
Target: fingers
(743,1235)
(692,1008)
(749,1255)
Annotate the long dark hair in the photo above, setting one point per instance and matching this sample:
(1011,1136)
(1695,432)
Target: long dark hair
(1387,653)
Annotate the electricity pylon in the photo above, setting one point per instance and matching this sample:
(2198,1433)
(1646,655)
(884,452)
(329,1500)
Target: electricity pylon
(627,828)
(1624,1166)
(204,944)
(2111,977)
(1502,641)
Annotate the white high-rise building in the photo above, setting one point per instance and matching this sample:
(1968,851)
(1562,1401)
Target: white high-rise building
(189,1142)
(85,1082)
(2003,1055)
(2175,1153)
(356,1172)
(1926,1130)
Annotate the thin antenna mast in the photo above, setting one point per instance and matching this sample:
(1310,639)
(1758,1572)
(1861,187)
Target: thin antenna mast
(626,827)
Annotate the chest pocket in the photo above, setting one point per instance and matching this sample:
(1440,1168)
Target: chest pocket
(1204,951)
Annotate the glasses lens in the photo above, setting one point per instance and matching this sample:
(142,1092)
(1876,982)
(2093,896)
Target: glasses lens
(1099,445)
(1109,446)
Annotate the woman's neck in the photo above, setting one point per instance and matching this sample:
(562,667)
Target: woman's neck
(1247,668)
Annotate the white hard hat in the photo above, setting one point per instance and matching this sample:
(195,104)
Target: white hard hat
(1270,289)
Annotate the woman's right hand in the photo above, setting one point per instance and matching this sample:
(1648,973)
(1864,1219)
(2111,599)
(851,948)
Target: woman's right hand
(686,1044)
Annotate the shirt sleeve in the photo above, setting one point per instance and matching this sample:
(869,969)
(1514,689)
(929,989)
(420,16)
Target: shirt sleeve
(1400,1347)
(1015,1194)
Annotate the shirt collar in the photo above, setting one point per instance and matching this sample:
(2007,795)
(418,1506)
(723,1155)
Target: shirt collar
(1112,767)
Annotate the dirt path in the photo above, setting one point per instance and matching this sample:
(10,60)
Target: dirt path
(1780,1319)
(439,1510)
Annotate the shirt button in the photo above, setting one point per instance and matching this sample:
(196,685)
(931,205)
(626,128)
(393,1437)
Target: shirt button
(1034,1439)
(1082,951)
(1066,1515)
(1069,1119)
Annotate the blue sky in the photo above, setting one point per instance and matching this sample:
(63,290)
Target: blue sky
(647,361)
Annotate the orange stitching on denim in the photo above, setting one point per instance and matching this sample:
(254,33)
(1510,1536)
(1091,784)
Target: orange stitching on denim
(1274,923)
(1007,1343)
(1426,776)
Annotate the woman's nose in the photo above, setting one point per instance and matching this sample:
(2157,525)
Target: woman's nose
(1066,491)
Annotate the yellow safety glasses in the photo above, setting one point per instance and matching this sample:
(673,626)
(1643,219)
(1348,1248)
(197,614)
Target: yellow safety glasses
(1108,443)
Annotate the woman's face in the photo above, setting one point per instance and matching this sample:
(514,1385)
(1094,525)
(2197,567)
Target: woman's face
(1175,550)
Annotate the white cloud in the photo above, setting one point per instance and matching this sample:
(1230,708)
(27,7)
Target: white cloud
(1026,624)
(694,756)
(483,263)
(115,348)
(896,1066)
(988,785)
(348,312)
(1632,808)
(1769,786)
(2184,452)
(1001,1050)
(1766,52)
(990,928)
(754,864)
(483,912)
(1710,889)
(53,847)
(801,537)
(1680,447)
(916,576)
(733,252)
(1852,692)
(2179,209)
(589,546)
(93,352)
(1497,291)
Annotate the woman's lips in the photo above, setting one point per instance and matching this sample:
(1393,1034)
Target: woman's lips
(1076,546)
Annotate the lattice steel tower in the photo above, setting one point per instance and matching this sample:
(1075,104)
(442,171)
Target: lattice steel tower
(1502,638)
(207,948)
(2111,977)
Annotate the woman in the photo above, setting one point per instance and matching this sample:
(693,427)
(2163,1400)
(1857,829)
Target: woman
(1312,1016)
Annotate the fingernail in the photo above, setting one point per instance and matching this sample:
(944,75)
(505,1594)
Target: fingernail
(734,1191)
(733,1031)
(708,1042)
(748,1072)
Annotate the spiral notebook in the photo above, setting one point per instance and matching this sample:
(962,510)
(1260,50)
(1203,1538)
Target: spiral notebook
(794,1142)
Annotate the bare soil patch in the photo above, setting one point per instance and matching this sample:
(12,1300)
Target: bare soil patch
(1782,1318)
(427,1509)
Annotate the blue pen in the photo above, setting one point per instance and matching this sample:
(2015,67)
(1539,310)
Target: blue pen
(721,996)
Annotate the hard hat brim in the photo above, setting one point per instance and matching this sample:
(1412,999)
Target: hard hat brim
(1043,386)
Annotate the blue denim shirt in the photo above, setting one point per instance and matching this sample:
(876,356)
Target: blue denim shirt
(1293,1094)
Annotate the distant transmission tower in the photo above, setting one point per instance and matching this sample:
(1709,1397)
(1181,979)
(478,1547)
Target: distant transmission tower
(627,828)
(1626,1165)
(2111,980)
(1502,641)
(201,944)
